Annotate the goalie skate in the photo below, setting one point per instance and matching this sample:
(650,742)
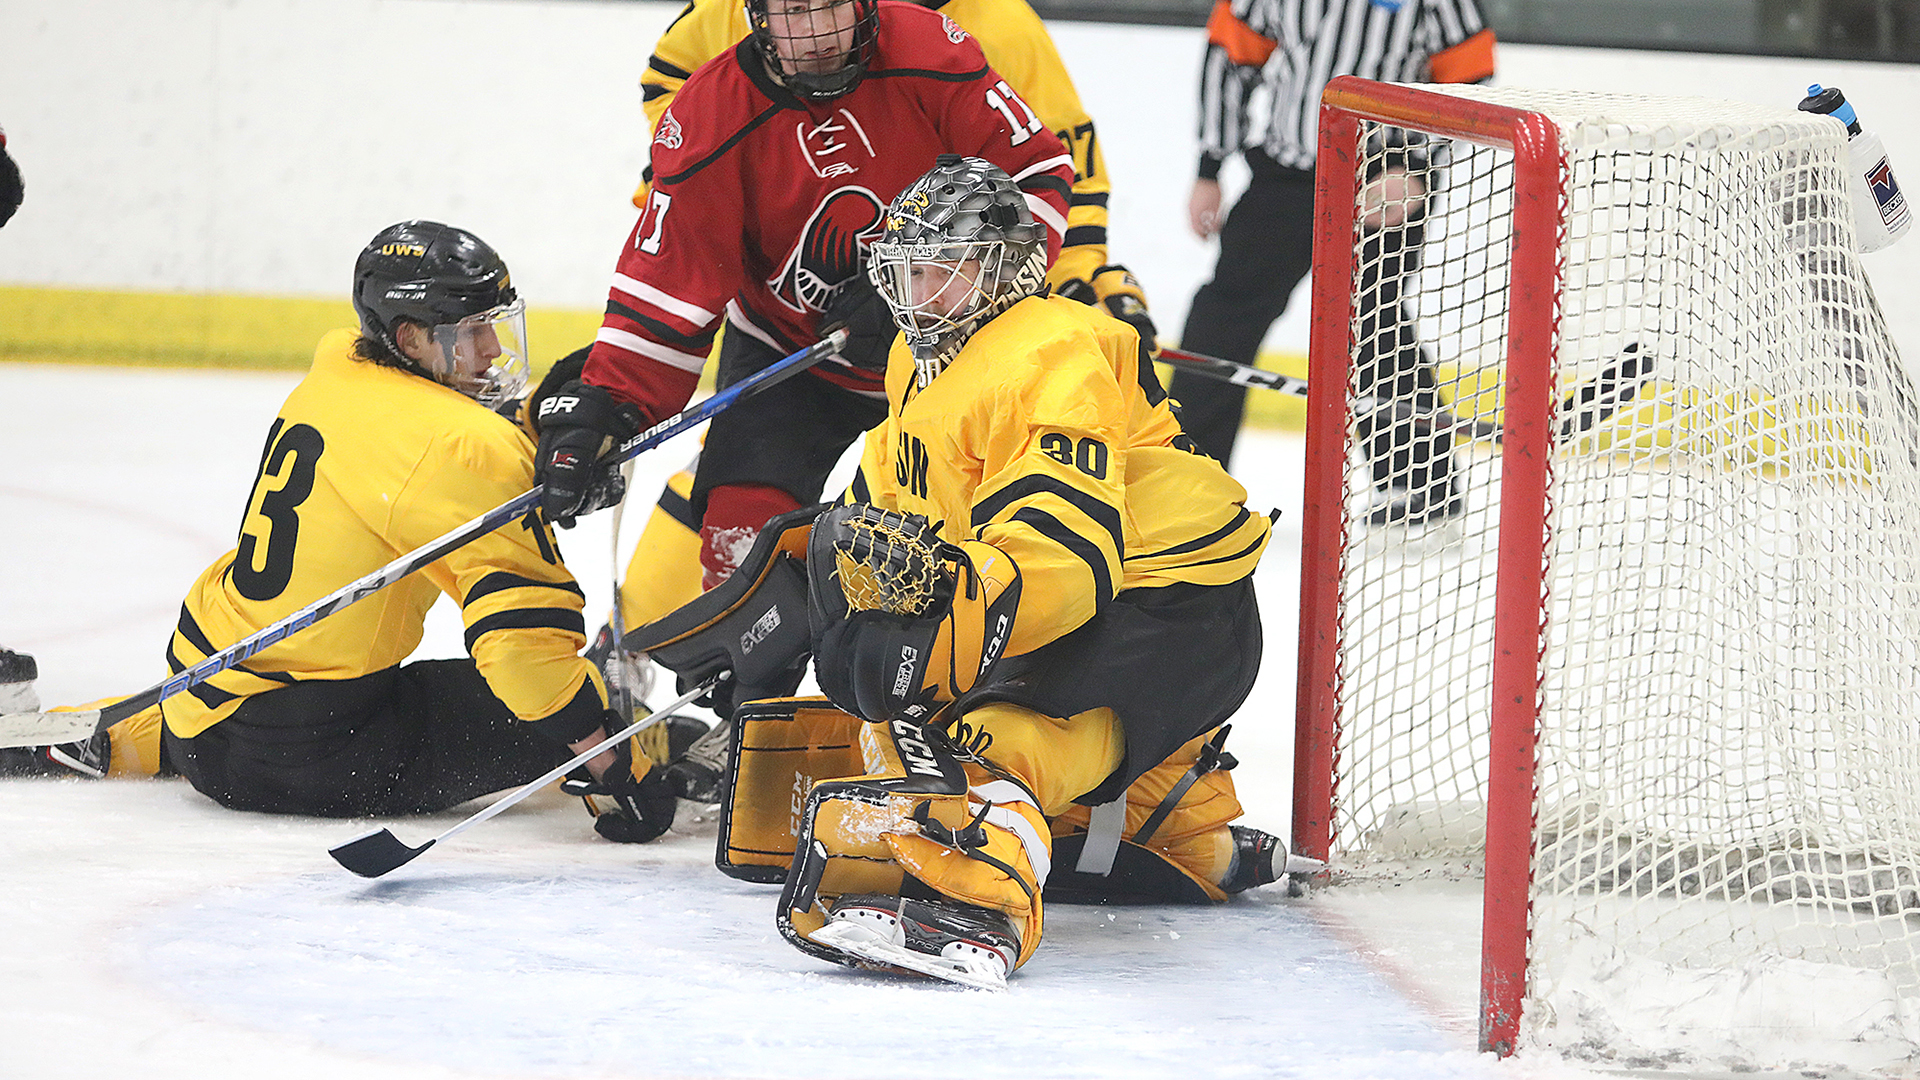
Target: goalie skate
(942,939)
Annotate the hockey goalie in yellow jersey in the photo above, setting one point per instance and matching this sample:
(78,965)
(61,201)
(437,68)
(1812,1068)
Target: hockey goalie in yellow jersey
(1032,615)
(391,441)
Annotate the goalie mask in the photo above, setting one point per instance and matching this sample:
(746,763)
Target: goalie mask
(960,246)
(818,48)
(440,302)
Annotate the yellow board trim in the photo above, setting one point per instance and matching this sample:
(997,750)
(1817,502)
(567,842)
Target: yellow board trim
(221,330)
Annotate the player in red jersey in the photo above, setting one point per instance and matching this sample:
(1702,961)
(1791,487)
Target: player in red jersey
(772,171)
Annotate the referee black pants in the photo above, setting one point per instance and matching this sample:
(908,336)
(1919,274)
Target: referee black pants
(410,739)
(1266,249)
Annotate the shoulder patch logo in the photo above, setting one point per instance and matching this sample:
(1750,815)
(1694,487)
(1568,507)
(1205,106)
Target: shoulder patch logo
(669,135)
(954,33)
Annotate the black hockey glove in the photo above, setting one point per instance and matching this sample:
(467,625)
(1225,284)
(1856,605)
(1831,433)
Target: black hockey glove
(625,810)
(564,370)
(12,189)
(856,305)
(579,424)
(1116,289)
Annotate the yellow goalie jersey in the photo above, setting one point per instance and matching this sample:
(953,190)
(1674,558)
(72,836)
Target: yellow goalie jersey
(1049,437)
(364,464)
(1018,48)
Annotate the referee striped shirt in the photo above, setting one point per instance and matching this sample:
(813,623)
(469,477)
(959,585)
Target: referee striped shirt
(1293,48)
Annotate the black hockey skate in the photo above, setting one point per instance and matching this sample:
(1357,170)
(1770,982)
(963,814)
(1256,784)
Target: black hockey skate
(1261,859)
(944,939)
(635,670)
(665,742)
(17,672)
(696,772)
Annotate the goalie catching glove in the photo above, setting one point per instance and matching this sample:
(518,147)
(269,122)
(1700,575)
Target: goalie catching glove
(632,802)
(902,621)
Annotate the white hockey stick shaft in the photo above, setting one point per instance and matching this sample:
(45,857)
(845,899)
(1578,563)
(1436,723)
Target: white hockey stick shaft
(45,728)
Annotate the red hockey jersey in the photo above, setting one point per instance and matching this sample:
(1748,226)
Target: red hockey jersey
(763,202)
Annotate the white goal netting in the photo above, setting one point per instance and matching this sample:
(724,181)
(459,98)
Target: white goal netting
(1727,778)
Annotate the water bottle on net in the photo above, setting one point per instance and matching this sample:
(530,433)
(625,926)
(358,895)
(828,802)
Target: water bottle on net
(1880,211)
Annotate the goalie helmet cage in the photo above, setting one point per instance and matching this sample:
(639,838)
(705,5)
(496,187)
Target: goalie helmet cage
(1649,661)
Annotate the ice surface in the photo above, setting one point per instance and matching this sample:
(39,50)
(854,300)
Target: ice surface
(151,934)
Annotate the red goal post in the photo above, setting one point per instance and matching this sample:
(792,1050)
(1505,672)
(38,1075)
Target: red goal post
(1620,660)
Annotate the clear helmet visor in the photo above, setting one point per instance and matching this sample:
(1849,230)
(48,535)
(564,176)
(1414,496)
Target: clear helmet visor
(483,356)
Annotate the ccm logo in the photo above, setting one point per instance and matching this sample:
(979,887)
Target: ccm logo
(995,643)
(914,751)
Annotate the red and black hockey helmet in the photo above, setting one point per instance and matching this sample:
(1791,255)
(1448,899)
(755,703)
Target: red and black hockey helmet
(818,48)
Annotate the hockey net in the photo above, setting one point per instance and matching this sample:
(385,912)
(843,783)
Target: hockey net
(1621,610)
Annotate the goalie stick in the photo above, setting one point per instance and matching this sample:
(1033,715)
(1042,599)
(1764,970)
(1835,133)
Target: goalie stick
(379,852)
(1584,408)
(51,728)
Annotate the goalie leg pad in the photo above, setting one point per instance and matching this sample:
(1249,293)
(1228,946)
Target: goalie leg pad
(984,844)
(1175,843)
(780,749)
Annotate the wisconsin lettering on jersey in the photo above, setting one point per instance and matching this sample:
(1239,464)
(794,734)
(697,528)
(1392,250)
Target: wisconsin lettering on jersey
(910,466)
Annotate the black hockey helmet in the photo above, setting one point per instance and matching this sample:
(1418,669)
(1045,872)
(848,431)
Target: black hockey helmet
(808,27)
(960,246)
(453,284)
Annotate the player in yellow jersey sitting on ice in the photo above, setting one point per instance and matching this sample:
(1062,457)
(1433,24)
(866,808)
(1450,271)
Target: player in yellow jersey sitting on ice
(389,442)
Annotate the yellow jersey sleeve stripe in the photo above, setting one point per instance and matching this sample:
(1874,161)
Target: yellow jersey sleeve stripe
(1103,514)
(500,581)
(1200,543)
(1074,544)
(528,619)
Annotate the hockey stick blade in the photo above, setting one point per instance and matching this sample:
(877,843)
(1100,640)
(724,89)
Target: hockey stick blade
(378,853)
(47,728)
(1593,403)
(18,730)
